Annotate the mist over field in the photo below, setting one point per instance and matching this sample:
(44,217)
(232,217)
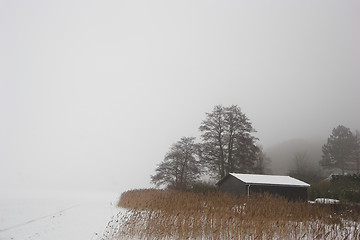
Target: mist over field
(282,154)
(93,94)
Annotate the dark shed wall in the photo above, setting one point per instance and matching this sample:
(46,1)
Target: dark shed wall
(291,193)
(233,185)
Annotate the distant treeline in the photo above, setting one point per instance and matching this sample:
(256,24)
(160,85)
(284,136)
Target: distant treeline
(348,177)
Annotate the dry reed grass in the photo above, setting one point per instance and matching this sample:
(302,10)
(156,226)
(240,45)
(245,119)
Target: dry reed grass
(160,214)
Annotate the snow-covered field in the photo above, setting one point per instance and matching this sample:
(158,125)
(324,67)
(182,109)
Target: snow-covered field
(60,215)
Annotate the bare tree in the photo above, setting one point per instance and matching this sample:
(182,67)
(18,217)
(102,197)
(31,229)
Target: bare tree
(228,144)
(357,151)
(305,169)
(180,167)
(262,162)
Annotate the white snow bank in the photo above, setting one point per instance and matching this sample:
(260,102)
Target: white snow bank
(327,201)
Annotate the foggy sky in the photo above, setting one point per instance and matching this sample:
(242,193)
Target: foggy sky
(93,94)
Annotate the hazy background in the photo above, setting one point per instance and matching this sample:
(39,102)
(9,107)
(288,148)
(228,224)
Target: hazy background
(93,93)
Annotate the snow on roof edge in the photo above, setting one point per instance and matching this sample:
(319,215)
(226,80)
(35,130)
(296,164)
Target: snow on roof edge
(269,180)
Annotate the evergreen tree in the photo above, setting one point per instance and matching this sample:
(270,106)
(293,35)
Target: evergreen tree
(340,151)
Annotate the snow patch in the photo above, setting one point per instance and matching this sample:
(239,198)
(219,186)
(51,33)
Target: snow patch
(55,215)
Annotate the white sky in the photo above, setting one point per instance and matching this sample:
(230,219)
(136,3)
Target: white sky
(93,93)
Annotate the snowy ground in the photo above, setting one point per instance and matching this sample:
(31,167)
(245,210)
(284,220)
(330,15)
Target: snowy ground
(52,215)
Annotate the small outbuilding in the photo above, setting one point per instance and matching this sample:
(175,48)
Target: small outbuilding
(246,184)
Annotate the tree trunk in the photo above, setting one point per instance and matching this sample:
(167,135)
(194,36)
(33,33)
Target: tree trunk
(222,158)
(230,158)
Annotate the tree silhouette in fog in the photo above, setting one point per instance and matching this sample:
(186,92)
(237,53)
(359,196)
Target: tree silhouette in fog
(341,150)
(180,167)
(227,142)
(227,146)
(304,168)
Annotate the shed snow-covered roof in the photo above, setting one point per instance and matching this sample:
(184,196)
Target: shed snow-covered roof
(268,180)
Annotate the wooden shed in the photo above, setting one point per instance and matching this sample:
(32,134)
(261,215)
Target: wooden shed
(245,184)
